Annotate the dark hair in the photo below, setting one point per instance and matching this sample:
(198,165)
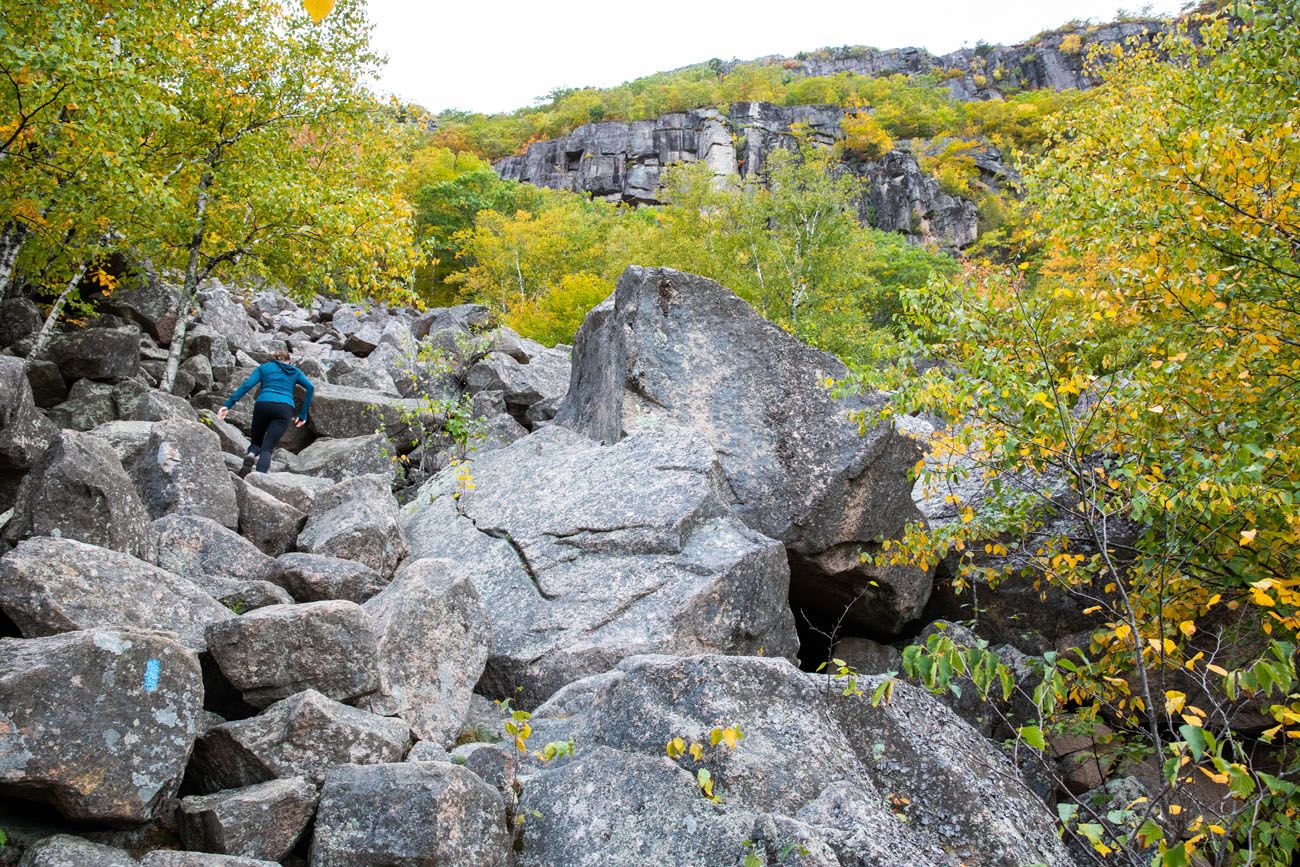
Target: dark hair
(281,355)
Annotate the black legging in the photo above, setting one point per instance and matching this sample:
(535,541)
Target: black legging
(270,420)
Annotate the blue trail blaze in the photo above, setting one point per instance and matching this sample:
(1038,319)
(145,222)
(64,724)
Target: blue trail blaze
(152,668)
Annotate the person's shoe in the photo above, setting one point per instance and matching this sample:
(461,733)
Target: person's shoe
(247,466)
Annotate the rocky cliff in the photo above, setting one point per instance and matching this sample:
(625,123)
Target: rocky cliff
(622,161)
(640,543)
(1053,60)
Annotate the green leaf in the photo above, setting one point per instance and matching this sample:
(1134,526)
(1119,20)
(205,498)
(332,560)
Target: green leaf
(1195,740)
(1033,736)
(752,860)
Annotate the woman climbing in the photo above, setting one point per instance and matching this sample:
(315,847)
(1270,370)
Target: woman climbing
(274,408)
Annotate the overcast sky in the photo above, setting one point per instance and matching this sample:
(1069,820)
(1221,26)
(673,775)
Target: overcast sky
(501,55)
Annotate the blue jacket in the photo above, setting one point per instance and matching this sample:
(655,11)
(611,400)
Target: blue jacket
(277,380)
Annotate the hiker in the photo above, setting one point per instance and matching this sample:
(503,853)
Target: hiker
(274,408)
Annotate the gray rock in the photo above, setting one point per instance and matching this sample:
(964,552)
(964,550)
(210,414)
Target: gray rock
(447,816)
(64,850)
(585,554)
(424,751)
(148,302)
(244,596)
(263,821)
(341,412)
(89,404)
(233,441)
(129,439)
(98,723)
(302,736)
(60,585)
(867,657)
(652,812)
(19,318)
(78,490)
(316,578)
(433,644)
(341,459)
(543,376)
(669,346)
(182,472)
(961,797)
(102,354)
(48,386)
(201,549)
(463,317)
(295,490)
(169,858)
(279,651)
(269,523)
(357,519)
(25,434)
(199,367)
(136,401)
(227,317)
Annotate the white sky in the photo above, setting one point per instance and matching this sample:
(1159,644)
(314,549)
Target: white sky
(501,55)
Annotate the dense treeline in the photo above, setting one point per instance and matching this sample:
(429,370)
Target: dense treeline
(1123,401)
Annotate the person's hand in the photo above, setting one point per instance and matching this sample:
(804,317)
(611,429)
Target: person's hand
(221,414)
(299,422)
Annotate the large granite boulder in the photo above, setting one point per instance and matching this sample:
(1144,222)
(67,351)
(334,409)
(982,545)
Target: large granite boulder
(98,723)
(673,347)
(89,404)
(182,472)
(433,644)
(414,813)
(20,318)
(174,858)
(136,401)
(201,549)
(901,781)
(280,650)
(357,519)
(289,488)
(48,586)
(64,850)
(271,524)
(584,554)
(302,736)
(543,374)
(261,821)
(342,412)
(25,434)
(339,459)
(78,490)
(102,354)
(316,578)
(148,302)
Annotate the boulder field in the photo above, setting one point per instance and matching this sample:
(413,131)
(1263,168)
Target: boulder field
(403,646)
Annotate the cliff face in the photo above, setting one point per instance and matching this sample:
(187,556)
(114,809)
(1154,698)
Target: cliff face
(1054,60)
(622,161)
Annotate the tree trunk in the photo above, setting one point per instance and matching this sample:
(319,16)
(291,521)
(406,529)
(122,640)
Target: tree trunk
(185,304)
(11,242)
(52,318)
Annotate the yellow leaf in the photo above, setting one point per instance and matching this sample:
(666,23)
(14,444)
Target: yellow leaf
(729,735)
(697,751)
(1187,628)
(318,9)
(1175,809)
(1248,536)
(1157,409)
